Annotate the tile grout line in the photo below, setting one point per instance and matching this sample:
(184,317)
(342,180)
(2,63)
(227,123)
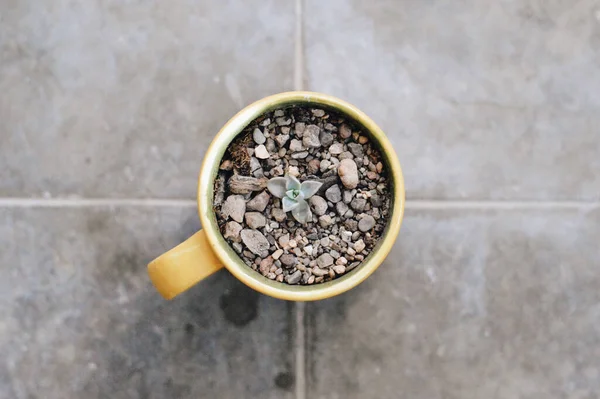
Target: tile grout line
(300,308)
(23,202)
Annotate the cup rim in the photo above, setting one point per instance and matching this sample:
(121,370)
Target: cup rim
(233,262)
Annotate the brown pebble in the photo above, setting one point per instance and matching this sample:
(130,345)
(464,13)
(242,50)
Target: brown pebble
(339,269)
(280,278)
(345,131)
(363,139)
(379,167)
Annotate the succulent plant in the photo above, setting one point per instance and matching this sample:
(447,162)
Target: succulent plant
(294,194)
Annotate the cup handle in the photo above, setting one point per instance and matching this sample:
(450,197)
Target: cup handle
(185,265)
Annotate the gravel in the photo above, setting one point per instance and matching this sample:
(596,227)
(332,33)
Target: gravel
(349,212)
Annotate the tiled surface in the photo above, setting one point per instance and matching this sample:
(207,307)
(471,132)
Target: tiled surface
(121,99)
(482,100)
(470,304)
(78,317)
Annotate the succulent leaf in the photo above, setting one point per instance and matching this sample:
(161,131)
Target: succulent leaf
(277,186)
(310,188)
(292,183)
(288,204)
(302,212)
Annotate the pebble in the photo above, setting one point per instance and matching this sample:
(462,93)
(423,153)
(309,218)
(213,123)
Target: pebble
(288,260)
(325,221)
(255,220)
(300,155)
(313,166)
(334,254)
(348,196)
(363,140)
(258,136)
(366,223)
(234,207)
(334,194)
(379,167)
(318,204)
(237,247)
(376,200)
(261,152)
(265,265)
(351,224)
(356,149)
(359,246)
(293,171)
(324,165)
(345,131)
(259,202)
(299,128)
(372,175)
(309,250)
(266,122)
(294,278)
(281,139)
(310,138)
(350,251)
(256,168)
(277,254)
(271,276)
(298,251)
(346,155)
(279,278)
(355,235)
(326,138)
(319,113)
(283,121)
(293,243)
(256,242)
(325,260)
(324,242)
(346,236)
(319,272)
(296,145)
(339,269)
(341,208)
(278,214)
(358,204)
(336,148)
(310,280)
(232,231)
(284,241)
(348,173)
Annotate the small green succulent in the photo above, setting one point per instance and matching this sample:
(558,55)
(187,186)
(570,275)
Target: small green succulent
(294,194)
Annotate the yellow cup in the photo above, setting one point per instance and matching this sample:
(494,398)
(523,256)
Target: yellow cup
(207,251)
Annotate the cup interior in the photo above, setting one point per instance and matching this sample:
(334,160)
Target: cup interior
(231,259)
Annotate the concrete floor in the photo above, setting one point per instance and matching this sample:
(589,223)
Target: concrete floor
(492,290)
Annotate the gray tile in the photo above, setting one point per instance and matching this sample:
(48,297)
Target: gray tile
(470,304)
(481,100)
(121,99)
(79,318)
